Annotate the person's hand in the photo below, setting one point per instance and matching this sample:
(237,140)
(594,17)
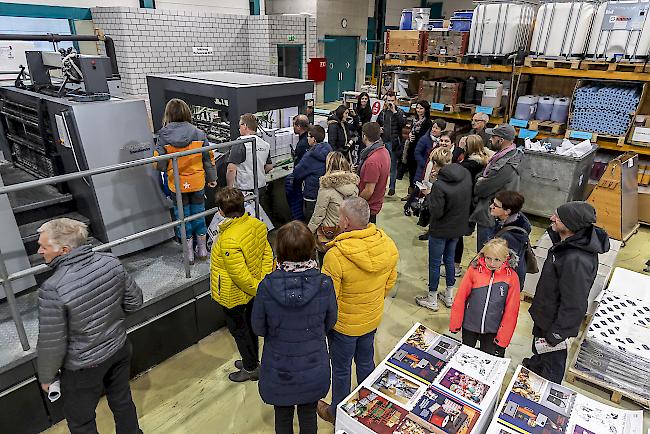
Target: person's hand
(411,136)
(45,387)
(392,107)
(212,184)
(425,191)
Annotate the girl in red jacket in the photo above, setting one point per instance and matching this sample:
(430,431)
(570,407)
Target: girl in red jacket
(487,302)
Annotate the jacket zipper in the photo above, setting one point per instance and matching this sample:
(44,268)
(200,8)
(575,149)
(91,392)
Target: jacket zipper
(487,301)
(219,285)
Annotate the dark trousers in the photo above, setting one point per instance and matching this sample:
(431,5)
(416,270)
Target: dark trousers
(81,390)
(238,321)
(306,418)
(308,207)
(373,218)
(486,340)
(343,349)
(548,365)
(458,254)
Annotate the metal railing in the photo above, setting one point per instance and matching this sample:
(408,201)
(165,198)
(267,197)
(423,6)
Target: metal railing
(6,278)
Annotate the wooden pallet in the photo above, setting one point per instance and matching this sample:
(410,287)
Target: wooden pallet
(465,108)
(487,60)
(594,65)
(400,56)
(643,177)
(447,109)
(539,62)
(595,137)
(443,58)
(549,127)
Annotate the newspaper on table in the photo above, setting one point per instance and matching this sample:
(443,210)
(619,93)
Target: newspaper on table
(534,405)
(249,207)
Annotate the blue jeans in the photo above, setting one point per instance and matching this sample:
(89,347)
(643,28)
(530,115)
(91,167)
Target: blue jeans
(193,203)
(393,166)
(483,235)
(343,349)
(441,250)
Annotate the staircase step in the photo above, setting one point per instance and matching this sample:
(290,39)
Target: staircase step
(29,231)
(33,198)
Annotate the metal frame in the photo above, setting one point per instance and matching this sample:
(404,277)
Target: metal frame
(6,278)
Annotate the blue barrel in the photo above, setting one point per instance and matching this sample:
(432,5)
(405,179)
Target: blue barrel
(406,23)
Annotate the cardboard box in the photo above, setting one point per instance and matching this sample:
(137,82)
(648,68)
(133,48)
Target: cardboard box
(449,93)
(641,136)
(644,205)
(427,89)
(405,42)
(447,43)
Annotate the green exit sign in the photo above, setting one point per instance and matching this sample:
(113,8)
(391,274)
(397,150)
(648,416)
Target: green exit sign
(291,38)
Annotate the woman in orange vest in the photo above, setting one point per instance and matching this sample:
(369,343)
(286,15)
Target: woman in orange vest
(177,135)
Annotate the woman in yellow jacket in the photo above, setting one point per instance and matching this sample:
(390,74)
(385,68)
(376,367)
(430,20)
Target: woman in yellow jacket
(241,257)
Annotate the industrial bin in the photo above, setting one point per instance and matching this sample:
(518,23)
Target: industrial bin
(548,180)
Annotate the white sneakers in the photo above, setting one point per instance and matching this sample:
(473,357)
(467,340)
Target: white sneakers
(448,297)
(430,301)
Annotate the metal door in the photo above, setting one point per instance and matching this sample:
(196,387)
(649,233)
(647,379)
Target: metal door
(290,61)
(341,55)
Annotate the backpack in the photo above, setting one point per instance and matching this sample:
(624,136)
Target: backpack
(531,260)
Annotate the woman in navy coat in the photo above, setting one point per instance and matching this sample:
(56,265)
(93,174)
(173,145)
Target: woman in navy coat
(294,309)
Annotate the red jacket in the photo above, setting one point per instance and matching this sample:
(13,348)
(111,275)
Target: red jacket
(488,301)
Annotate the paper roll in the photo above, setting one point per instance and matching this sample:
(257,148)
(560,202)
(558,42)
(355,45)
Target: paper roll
(54,391)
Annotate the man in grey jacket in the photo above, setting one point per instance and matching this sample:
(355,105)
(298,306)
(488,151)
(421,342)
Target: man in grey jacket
(81,311)
(501,173)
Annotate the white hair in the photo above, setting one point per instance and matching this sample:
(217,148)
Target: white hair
(357,210)
(64,232)
(481,116)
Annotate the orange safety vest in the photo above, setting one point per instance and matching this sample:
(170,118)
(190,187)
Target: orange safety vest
(190,168)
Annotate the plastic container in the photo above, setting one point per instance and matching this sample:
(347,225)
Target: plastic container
(420,18)
(406,22)
(526,107)
(470,90)
(460,24)
(436,24)
(562,28)
(492,93)
(621,29)
(560,111)
(463,14)
(544,108)
(500,28)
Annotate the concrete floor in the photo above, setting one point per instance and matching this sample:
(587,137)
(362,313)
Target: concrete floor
(190,393)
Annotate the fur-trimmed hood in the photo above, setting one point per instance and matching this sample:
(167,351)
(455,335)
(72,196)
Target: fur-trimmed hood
(511,264)
(480,159)
(346,183)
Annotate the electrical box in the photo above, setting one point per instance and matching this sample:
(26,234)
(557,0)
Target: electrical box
(317,69)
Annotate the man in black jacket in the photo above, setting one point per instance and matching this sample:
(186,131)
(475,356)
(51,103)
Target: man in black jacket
(82,332)
(561,297)
(391,119)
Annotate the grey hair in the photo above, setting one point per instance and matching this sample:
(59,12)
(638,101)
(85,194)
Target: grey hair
(482,116)
(64,232)
(301,121)
(357,210)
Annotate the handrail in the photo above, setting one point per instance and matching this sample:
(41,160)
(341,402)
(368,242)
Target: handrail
(6,278)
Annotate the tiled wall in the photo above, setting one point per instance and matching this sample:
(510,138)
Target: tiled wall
(152,41)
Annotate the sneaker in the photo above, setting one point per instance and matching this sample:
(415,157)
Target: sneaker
(244,375)
(429,301)
(391,192)
(458,270)
(323,411)
(239,365)
(448,297)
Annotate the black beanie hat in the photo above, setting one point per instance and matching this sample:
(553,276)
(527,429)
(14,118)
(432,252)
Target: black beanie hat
(576,215)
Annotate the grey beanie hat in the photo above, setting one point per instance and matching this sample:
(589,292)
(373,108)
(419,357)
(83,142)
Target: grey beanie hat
(576,215)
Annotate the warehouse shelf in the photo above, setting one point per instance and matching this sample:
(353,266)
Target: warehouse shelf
(582,73)
(448,65)
(464,116)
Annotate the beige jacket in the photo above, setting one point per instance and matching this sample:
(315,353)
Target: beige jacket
(334,188)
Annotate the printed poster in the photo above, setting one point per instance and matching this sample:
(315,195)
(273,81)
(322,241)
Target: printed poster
(398,387)
(442,347)
(483,367)
(529,417)
(416,363)
(590,416)
(446,412)
(551,395)
(464,386)
(373,411)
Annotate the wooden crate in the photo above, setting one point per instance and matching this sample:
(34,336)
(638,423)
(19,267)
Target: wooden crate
(541,62)
(595,65)
(548,127)
(406,42)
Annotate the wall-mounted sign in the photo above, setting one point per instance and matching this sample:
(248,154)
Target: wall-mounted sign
(203,51)
(291,38)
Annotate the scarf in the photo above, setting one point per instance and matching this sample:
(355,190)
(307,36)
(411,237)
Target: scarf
(366,153)
(496,156)
(297,267)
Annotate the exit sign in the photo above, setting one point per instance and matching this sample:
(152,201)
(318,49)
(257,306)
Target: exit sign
(291,38)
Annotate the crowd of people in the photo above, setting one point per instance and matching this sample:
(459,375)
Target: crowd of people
(317,297)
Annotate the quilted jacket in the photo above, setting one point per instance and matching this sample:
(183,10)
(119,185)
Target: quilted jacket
(311,168)
(335,187)
(239,260)
(81,310)
(363,267)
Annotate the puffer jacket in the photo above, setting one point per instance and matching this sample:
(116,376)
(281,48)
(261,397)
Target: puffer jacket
(488,301)
(81,310)
(517,240)
(392,124)
(311,168)
(193,169)
(239,260)
(503,174)
(449,202)
(562,295)
(338,134)
(422,151)
(363,267)
(293,312)
(335,187)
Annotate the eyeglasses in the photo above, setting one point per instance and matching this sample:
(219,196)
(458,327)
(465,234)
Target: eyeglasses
(493,204)
(477,120)
(309,136)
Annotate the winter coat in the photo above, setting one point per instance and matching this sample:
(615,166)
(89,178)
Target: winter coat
(363,266)
(293,312)
(422,151)
(449,202)
(301,148)
(338,134)
(561,297)
(335,187)
(517,241)
(193,169)
(240,258)
(475,164)
(81,310)
(311,168)
(363,116)
(392,123)
(502,175)
(410,148)
(488,301)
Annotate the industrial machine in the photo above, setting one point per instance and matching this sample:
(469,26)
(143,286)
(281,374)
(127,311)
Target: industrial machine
(64,120)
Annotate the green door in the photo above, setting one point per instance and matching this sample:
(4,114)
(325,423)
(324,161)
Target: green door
(341,55)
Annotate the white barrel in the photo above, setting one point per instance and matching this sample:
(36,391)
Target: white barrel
(544,108)
(621,29)
(560,111)
(420,18)
(562,29)
(500,28)
(526,107)
(492,93)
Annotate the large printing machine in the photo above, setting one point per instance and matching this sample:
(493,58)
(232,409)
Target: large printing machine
(56,124)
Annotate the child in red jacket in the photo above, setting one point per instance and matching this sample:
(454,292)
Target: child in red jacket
(487,302)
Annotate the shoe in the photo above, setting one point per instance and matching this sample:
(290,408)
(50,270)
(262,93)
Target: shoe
(244,375)
(323,411)
(391,192)
(408,212)
(239,365)
(448,297)
(201,248)
(458,270)
(190,250)
(423,237)
(429,301)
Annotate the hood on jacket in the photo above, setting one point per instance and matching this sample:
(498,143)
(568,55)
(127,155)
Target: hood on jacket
(178,134)
(508,266)
(452,173)
(592,240)
(332,119)
(364,247)
(294,289)
(521,222)
(346,183)
(78,254)
(481,159)
(513,158)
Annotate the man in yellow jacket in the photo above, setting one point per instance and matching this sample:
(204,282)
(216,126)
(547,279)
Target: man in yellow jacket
(241,257)
(362,262)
